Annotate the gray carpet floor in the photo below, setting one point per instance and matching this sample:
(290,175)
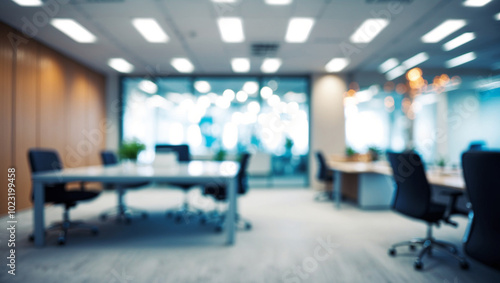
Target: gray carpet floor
(294,239)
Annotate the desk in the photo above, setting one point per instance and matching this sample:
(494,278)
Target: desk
(373,181)
(200,172)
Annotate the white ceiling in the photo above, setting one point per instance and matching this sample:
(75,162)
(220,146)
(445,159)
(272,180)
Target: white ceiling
(191,26)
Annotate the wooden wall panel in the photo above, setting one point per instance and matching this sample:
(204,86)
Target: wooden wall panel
(77,150)
(46,100)
(25,124)
(96,114)
(52,121)
(6,77)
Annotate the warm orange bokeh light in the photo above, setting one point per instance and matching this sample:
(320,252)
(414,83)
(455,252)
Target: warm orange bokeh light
(354,86)
(414,74)
(401,88)
(389,101)
(388,86)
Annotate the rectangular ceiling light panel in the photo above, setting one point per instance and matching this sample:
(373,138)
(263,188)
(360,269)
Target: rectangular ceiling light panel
(457,61)
(270,65)
(299,29)
(368,30)
(240,65)
(182,65)
(336,64)
(121,65)
(150,30)
(231,30)
(388,65)
(74,30)
(443,30)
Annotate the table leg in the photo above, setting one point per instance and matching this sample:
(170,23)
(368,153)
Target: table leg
(38,213)
(337,187)
(231,211)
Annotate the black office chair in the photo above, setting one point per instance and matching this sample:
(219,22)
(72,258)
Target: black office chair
(186,210)
(122,211)
(219,192)
(325,175)
(482,238)
(413,198)
(42,160)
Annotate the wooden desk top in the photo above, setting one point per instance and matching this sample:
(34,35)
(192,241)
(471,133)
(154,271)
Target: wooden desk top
(453,179)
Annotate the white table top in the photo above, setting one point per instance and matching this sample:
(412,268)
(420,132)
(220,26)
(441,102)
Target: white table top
(201,171)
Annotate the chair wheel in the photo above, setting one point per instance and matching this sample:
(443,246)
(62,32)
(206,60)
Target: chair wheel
(203,221)
(418,265)
(94,231)
(61,241)
(412,247)
(31,238)
(464,264)
(178,219)
(392,252)
(218,229)
(128,220)
(248,226)
(103,217)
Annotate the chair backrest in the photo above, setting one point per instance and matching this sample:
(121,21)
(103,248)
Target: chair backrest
(323,167)
(108,158)
(412,196)
(42,160)
(242,173)
(182,151)
(481,173)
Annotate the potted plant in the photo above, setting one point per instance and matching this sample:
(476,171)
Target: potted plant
(129,150)
(220,155)
(441,163)
(374,153)
(350,153)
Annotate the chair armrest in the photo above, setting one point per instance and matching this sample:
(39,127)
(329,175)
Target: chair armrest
(451,206)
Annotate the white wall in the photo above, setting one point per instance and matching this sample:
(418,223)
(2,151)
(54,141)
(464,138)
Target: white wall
(327,119)
(112,111)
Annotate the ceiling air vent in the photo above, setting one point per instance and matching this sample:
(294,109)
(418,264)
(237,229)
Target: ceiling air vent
(265,49)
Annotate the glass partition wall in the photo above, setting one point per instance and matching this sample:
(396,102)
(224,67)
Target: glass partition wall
(222,116)
(440,121)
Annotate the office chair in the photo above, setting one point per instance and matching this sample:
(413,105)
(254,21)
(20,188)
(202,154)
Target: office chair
(185,210)
(413,198)
(122,211)
(42,160)
(325,175)
(219,193)
(482,236)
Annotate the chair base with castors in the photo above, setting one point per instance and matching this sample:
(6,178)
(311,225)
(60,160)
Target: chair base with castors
(65,226)
(429,244)
(218,217)
(122,212)
(185,213)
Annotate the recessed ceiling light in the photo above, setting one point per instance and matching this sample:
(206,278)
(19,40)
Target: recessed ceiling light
(415,60)
(388,65)
(74,30)
(202,86)
(299,29)
(443,30)
(462,59)
(150,30)
(182,65)
(368,30)
(336,64)
(270,65)
(395,73)
(231,29)
(497,17)
(458,41)
(278,2)
(121,65)
(29,3)
(240,65)
(476,3)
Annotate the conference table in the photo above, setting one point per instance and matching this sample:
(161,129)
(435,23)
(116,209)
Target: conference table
(199,172)
(373,184)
